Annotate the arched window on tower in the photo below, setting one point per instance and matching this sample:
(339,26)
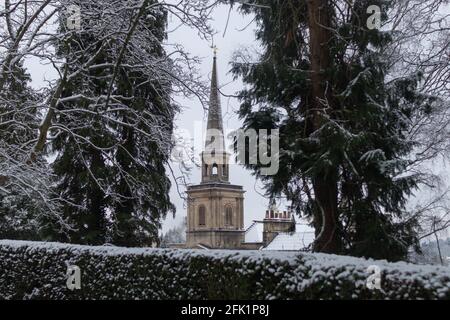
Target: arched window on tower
(202,216)
(228,216)
(224,170)
(214,169)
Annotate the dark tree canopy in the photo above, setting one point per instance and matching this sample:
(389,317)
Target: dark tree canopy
(112,172)
(343,144)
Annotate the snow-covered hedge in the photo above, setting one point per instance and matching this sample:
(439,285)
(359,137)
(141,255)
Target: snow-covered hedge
(34,270)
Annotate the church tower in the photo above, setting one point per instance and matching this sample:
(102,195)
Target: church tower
(215,217)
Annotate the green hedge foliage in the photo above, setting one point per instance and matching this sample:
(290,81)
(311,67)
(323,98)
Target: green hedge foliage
(37,270)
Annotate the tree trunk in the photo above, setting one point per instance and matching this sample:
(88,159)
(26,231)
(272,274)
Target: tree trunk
(437,241)
(325,183)
(327,236)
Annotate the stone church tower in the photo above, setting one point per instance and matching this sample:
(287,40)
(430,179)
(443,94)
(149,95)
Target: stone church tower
(215,217)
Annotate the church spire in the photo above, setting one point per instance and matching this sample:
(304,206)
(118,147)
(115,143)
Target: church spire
(215,158)
(215,125)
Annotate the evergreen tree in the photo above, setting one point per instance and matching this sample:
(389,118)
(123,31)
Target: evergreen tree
(137,212)
(110,169)
(19,210)
(322,81)
(80,164)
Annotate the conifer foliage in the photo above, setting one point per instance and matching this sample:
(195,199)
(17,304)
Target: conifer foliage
(322,80)
(83,154)
(111,169)
(18,114)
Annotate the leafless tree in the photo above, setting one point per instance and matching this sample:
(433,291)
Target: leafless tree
(422,47)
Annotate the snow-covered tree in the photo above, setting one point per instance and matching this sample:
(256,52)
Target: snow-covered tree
(115,75)
(326,81)
(174,235)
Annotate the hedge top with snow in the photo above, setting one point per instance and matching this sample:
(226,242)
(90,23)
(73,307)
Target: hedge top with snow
(37,270)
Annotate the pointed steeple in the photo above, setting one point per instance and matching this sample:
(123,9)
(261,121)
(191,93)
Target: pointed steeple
(215,125)
(214,157)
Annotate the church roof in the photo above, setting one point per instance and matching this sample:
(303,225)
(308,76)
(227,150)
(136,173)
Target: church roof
(291,241)
(284,241)
(254,233)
